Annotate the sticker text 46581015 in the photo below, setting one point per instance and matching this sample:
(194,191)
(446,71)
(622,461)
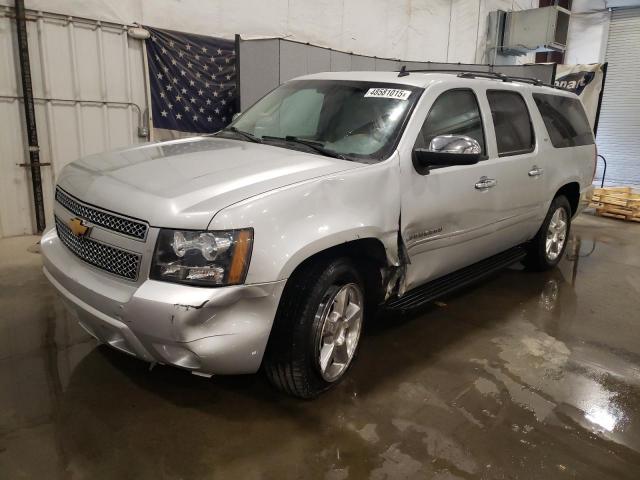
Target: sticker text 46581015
(395,93)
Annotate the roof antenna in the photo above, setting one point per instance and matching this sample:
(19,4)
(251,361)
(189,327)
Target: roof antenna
(403,71)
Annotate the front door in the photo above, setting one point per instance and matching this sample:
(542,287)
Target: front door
(449,216)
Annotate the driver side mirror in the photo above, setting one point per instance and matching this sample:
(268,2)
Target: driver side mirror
(446,150)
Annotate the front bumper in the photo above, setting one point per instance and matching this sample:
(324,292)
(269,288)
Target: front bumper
(206,330)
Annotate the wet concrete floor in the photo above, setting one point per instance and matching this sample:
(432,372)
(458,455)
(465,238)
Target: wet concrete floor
(523,376)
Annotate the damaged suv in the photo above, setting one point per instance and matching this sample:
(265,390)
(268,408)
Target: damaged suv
(270,242)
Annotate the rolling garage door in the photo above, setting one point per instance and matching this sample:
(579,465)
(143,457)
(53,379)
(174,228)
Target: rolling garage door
(619,126)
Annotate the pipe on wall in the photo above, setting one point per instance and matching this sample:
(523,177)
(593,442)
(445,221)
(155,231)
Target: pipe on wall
(30,116)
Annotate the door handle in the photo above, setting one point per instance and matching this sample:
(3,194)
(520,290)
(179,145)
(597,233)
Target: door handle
(485,183)
(536,171)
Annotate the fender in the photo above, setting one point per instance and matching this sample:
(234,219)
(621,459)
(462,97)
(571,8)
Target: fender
(295,222)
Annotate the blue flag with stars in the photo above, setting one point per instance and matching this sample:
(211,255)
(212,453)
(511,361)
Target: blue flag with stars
(192,81)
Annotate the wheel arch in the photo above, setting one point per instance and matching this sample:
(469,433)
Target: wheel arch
(571,191)
(369,256)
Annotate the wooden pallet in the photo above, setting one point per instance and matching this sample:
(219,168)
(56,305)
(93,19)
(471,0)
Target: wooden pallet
(622,203)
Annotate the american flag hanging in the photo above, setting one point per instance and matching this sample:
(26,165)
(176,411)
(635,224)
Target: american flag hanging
(192,80)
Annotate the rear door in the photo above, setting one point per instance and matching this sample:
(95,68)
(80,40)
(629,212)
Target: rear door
(521,171)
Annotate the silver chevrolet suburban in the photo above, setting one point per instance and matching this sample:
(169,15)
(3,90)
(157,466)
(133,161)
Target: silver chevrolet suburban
(270,242)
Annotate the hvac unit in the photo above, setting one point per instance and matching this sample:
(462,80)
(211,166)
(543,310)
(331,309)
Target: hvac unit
(536,30)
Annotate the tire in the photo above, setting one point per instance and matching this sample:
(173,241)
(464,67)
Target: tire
(539,256)
(307,314)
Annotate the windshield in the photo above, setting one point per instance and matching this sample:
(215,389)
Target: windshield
(345,119)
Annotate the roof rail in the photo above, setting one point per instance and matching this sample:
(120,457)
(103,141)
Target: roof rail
(496,75)
(460,71)
(464,73)
(533,81)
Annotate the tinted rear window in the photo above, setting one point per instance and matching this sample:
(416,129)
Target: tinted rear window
(566,122)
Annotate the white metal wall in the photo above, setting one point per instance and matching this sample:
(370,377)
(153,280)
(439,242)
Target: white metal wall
(91,61)
(619,126)
(93,74)
(420,30)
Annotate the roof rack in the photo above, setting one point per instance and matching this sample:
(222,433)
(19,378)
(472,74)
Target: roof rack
(496,75)
(531,80)
(464,73)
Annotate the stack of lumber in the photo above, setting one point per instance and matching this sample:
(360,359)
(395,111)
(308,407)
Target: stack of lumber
(617,202)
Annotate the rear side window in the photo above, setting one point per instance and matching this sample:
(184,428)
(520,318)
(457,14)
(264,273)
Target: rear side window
(514,132)
(455,112)
(566,122)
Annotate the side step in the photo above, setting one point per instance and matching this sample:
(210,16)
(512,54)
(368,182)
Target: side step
(453,281)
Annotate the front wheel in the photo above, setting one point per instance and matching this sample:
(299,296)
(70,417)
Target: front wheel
(317,329)
(547,247)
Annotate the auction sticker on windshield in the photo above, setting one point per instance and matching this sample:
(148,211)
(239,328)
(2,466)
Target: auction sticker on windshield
(396,93)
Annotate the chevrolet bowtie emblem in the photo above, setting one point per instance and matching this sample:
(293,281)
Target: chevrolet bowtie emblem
(78,227)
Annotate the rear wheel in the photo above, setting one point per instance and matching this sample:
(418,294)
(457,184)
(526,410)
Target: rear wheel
(317,329)
(547,247)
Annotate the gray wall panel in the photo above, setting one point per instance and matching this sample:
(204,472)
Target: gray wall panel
(454,66)
(264,64)
(293,60)
(360,63)
(318,59)
(259,70)
(414,65)
(298,59)
(385,65)
(340,61)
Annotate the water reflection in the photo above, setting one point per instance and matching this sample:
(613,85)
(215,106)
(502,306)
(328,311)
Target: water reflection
(607,418)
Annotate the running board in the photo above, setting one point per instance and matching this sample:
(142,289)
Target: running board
(453,281)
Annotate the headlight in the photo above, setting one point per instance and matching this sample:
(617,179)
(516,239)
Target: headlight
(202,258)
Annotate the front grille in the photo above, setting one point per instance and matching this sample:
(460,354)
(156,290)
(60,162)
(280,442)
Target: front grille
(110,221)
(111,259)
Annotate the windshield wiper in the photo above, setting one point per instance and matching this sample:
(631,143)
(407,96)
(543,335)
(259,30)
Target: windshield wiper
(317,146)
(242,133)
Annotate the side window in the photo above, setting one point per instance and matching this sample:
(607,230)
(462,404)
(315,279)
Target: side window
(566,122)
(455,112)
(514,131)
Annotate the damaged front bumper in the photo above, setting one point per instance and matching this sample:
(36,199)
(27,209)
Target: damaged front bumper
(206,330)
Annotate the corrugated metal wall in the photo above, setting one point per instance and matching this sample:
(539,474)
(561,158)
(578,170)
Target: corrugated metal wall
(88,80)
(619,126)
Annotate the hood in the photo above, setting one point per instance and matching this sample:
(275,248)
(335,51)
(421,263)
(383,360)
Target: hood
(183,183)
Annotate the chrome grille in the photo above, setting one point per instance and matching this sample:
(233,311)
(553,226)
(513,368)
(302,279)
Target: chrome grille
(111,259)
(110,221)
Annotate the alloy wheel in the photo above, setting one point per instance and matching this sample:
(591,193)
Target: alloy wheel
(341,319)
(556,234)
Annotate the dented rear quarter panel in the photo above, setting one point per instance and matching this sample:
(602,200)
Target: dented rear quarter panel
(295,222)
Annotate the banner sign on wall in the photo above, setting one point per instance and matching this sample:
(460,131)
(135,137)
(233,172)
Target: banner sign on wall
(585,80)
(192,80)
